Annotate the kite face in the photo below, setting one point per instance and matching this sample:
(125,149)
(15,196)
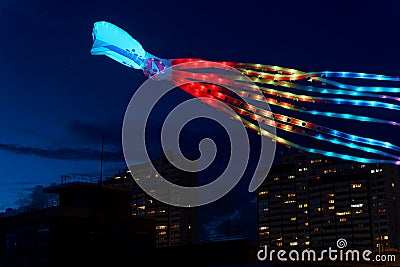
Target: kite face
(288,90)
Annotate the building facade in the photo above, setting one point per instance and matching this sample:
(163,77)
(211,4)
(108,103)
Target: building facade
(309,202)
(174,225)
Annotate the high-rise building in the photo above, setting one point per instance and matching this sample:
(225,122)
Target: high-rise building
(174,225)
(308,201)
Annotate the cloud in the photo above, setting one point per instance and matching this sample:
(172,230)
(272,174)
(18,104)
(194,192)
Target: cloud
(64,153)
(17,183)
(236,219)
(90,133)
(224,227)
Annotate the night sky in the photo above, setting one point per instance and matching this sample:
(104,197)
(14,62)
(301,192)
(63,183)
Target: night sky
(56,99)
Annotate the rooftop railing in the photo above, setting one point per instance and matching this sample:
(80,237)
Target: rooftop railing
(76,177)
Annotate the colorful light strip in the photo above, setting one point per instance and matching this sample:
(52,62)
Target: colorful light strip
(283,122)
(283,141)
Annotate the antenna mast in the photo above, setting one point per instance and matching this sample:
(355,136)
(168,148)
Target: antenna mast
(101,160)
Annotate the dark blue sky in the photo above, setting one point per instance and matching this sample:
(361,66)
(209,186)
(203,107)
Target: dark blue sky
(56,99)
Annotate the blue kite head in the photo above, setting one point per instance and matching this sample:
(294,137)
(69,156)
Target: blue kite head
(112,41)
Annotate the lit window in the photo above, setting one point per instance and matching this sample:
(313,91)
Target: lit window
(291,177)
(392,184)
(358,205)
(263,233)
(293,219)
(355,185)
(276,179)
(329,171)
(331,207)
(307,242)
(289,201)
(279,244)
(306,224)
(263,192)
(291,195)
(343,213)
(343,219)
(331,201)
(159,227)
(292,244)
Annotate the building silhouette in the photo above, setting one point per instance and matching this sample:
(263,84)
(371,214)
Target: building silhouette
(90,224)
(174,225)
(309,202)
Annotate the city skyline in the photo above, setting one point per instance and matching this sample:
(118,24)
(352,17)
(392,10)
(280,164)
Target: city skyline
(308,203)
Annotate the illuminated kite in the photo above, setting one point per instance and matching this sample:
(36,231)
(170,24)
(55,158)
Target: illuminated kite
(284,88)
